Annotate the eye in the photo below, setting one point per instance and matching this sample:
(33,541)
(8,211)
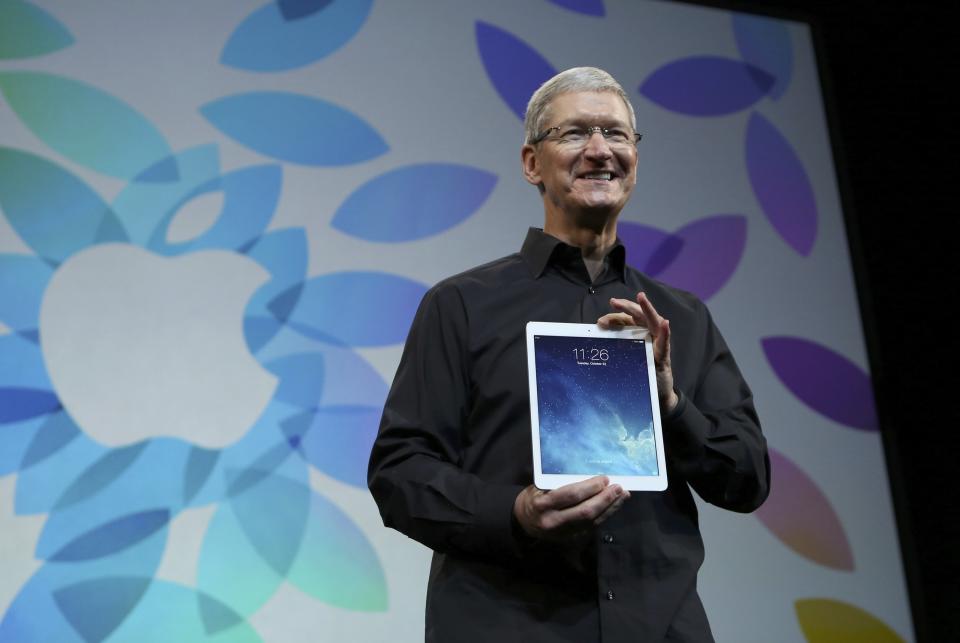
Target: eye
(573,134)
(616,135)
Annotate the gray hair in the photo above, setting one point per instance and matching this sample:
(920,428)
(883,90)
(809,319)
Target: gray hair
(577,79)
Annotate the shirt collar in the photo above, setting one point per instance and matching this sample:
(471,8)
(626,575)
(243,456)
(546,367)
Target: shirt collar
(541,249)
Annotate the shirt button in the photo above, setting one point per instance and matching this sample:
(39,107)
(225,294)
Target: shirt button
(610,595)
(608,538)
(592,290)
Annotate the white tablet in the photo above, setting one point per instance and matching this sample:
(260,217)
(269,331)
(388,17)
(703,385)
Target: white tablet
(594,407)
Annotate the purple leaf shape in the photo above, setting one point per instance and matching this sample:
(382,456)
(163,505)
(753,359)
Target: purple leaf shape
(711,251)
(340,439)
(706,86)
(649,249)
(781,185)
(586,7)
(801,517)
(824,380)
(765,43)
(515,68)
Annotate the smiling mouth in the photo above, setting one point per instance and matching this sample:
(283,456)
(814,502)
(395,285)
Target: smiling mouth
(597,176)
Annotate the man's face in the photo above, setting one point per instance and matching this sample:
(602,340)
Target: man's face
(592,179)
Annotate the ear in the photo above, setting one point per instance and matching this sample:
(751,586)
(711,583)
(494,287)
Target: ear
(530,164)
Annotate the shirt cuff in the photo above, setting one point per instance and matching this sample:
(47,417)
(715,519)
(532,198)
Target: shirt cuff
(495,519)
(685,428)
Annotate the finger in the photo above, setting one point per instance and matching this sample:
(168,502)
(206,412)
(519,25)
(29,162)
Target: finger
(649,311)
(632,309)
(572,494)
(615,320)
(613,508)
(589,510)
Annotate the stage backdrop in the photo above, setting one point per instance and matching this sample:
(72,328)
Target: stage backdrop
(219,217)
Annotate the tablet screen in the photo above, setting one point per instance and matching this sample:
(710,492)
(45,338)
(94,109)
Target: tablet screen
(594,406)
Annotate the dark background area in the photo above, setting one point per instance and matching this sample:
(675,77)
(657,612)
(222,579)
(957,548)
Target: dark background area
(887,70)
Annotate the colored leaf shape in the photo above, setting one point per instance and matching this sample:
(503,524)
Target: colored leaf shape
(250,198)
(586,7)
(829,621)
(113,536)
(649,249)
(340,439)
(21,364)
(515,68)
(295,128)
(336,563)
(287,34)
(711,249)
(84,123)
(27,30)
(95,608)
(17,403)
(23,279)
(706,86)
(56,432)
(301,379)
(824,380)
(335,308)
(142,206)
(200,464)
(414,202)
(53,211)
(800,515)
(15,437)
(765,43)
(781,185)
(172,612)
(100,474)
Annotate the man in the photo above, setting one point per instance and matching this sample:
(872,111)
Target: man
(452,464)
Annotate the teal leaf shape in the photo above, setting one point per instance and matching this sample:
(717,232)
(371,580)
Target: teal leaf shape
(414,202)
(278,36)
(95,608)
(295,128)
(336,563)
(85,124)
(53,211)
(27,30)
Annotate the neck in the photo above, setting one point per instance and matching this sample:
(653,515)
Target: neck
(594,241)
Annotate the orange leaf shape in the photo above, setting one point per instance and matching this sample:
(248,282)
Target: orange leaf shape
(827,621)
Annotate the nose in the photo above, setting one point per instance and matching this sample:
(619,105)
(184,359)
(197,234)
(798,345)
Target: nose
(597,146)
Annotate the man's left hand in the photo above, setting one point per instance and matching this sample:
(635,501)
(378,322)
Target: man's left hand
(642,313)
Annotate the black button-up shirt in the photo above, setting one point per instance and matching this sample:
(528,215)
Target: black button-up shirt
(454,450)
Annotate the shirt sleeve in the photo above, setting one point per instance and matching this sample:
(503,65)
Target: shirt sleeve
(713,437)
(415,472)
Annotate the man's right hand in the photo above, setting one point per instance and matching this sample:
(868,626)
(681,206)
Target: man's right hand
(560,513)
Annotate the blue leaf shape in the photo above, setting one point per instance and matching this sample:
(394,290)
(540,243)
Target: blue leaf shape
(765,43)
(781,185)
(23,279)
(414,202)
(301,379)
(339,441)
(18,403)
(95,608)
(335,308)
(515,68)
(250,198)
(706,86)
(114,536)
(21,364)
(200,464)
(296,9)
(287,35)
(53,211)
(57,431)
(84,124)
(295,128)
(100,474)
(27,30)
(15,438)
(586,7)
(142,206)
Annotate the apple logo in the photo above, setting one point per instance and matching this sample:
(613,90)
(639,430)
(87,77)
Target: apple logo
(138,345)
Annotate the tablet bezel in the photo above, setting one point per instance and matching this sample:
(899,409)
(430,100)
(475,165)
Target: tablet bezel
(553,480)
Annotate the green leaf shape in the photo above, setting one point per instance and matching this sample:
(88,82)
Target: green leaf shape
(85,124)
(828,621)
(27,30)
(53,211)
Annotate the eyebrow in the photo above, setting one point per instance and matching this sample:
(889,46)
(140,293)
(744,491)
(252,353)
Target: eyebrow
(581,122)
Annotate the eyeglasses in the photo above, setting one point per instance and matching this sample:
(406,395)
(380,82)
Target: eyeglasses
(575,137)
